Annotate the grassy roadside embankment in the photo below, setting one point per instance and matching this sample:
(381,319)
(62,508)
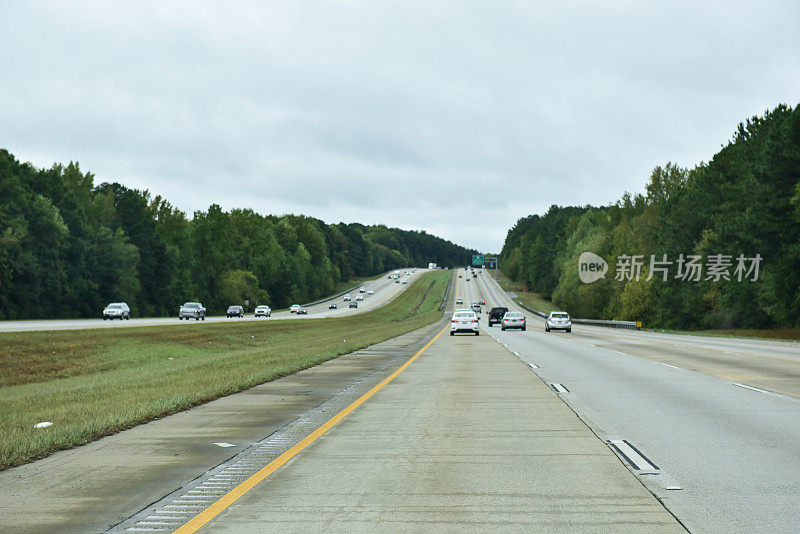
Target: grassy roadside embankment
(92,383)
(528,298)
(534,301)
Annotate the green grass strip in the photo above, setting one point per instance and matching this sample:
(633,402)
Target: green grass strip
(92,383)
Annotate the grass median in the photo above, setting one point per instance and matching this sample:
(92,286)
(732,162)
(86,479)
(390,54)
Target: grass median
(92,383)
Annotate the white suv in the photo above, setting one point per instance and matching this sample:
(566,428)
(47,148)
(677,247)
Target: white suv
(116,310)
(464,321)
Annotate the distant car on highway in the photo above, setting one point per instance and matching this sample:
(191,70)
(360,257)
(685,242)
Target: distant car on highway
(362,290)
(370,292)
(405,280)
(235,311)
(483,302)
(558,321)
(464,321)
(475,306)
(263,311)
(333,306)
(301,310)
(117,310)
(353,304)
(513,319)
(459,300)
(359,297)
(295,308)
(192,310)
(496,315)
(347,297)
(396,280)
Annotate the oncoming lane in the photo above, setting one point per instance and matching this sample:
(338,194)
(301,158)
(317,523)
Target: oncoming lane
(385,291)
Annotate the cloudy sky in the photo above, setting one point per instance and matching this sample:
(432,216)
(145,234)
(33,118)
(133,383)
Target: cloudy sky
(453,117)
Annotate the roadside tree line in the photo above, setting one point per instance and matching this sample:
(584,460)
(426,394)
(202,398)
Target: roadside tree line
(68,247)
(741,208)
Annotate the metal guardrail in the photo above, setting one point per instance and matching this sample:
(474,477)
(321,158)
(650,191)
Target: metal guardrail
(631,325)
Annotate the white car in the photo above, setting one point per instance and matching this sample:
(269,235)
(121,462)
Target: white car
(116,310)
(263,311)
(295,308)
(513,319)
(370,292)
(558,321)
(464,321)
(359,297)
(192,310)
(405,280)
(459,300)
(362,290)
(347,297)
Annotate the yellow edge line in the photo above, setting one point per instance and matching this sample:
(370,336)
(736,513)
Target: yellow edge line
(229,498)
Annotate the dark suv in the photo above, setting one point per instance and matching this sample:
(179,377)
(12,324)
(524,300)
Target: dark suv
(496,315)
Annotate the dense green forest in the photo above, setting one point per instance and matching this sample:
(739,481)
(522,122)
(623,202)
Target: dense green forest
(719,216)
(68,247)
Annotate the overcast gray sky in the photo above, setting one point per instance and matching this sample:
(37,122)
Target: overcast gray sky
(453,117)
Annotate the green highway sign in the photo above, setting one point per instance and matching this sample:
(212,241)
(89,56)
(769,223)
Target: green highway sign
(477,259)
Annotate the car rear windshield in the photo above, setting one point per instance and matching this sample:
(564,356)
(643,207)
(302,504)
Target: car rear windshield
(560,316)
(514,315)
(464,315)
(114,306)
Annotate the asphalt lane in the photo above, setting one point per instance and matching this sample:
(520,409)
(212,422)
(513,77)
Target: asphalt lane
(728,452)
(385,290)
(466,438)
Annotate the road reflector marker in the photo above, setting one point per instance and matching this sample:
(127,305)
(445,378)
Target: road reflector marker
(751,388)
(223,444)
(516,353)
(631,454)
(559,388)
(674,488)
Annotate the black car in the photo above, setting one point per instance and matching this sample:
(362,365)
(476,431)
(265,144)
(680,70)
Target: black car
(332,306)
(496,315)
(235,311)
(302,310)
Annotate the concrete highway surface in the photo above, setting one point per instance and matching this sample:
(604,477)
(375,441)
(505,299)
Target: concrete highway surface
(385,291)
(719,417)
(599,430)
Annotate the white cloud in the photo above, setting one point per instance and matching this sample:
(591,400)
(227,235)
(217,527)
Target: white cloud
(454,117)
